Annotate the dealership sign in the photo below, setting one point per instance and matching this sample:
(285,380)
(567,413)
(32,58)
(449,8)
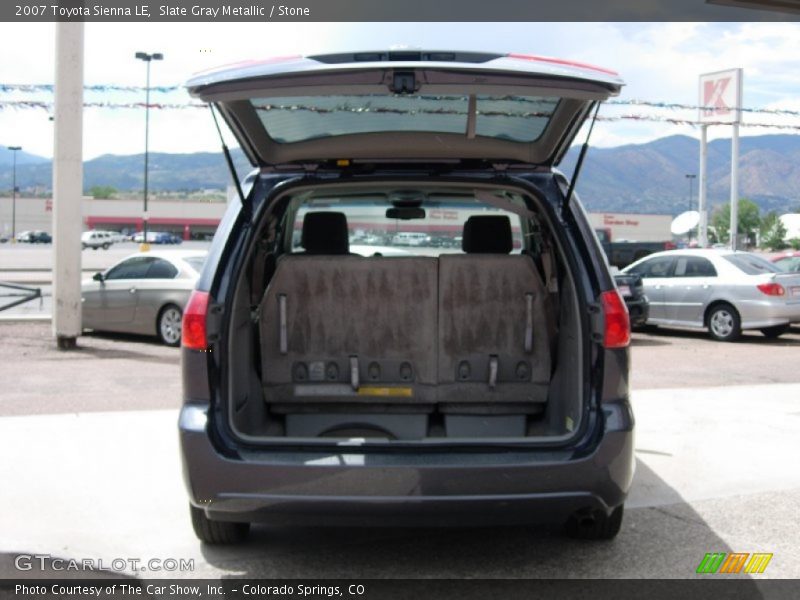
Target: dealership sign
(721,96)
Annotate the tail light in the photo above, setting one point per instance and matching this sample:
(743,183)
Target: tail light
(670,246)
(193,334)
(617,332)
(772,289)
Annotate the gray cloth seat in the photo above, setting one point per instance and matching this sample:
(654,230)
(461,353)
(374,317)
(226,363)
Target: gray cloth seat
(348,330)
(493,345)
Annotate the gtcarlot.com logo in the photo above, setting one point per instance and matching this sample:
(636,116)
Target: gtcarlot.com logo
(46,562)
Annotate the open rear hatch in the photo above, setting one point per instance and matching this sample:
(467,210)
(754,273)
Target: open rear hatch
(406,106)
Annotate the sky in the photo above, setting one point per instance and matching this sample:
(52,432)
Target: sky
(660,62)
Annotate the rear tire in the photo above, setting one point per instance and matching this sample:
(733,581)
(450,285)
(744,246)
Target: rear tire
(724,324)
(595,525)
(217,532)
(168,325)
(105,246)
(774,332)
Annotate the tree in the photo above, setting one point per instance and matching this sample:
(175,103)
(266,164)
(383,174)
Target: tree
(773,232)
(102,192)
(748,224)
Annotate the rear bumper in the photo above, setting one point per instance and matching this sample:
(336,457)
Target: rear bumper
(351,487)
(756,314)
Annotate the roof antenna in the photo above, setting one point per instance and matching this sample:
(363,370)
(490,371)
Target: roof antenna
(579,163)
(229,160)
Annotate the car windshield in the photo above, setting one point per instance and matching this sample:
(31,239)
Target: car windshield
(300,118)
(751,264)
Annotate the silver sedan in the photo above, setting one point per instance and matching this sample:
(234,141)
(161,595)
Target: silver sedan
(720,290)
(143,293)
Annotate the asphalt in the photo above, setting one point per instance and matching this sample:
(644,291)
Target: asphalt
(91,469)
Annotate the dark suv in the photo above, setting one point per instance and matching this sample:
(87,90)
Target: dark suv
(331,376)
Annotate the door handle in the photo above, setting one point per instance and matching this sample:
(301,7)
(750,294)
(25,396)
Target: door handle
(132,290)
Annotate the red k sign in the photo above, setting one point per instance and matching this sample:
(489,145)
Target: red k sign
(721,96)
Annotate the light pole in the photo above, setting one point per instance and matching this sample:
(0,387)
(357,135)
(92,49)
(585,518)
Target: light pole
(691,177)
(147,58)
(14,150)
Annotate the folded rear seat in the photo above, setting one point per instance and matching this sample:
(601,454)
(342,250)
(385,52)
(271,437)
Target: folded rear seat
(494,356)
(342,333)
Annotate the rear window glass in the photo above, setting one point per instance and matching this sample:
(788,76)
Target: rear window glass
(751,264)
(300,118)
(372,232)
(196,262)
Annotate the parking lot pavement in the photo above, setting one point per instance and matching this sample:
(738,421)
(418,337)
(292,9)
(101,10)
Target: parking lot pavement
(100,475)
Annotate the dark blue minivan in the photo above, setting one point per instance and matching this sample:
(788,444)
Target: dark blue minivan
(333,374)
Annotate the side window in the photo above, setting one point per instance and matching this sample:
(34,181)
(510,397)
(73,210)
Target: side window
(161,269)
(133,268)
(694,266)
(655,267)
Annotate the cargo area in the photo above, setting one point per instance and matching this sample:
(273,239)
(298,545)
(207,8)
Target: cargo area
(405,312)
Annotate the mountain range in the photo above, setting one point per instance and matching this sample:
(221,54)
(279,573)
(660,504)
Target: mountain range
(645,178)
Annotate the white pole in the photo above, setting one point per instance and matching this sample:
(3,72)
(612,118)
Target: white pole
(701,182)
(734,186)
(67,184)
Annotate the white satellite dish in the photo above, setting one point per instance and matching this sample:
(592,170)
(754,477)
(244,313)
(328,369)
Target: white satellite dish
(685,222)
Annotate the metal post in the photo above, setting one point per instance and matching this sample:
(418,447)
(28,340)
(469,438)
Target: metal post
(734,185)
(147,58)
(14,150)
(67,184)
(145,246)
(701,187)
(691,177)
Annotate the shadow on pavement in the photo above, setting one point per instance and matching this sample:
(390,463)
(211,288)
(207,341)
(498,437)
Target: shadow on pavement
(748,337)
(109,353)
(661,537)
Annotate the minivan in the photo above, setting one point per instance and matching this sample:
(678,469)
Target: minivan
(485,384)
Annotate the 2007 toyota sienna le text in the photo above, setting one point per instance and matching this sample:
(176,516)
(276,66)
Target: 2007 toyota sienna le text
(479,379)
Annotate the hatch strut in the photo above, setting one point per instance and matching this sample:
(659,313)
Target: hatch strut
(579,163)
(229,160)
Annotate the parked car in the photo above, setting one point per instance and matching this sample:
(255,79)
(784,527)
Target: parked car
(621,253)
(144,293)
(152,237)
(488,385)
(165,237)
(721,290)
(410,238)
(631,288)
(95,239)
(788,262)
(34,237)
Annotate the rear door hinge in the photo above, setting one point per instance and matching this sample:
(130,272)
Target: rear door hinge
(597,322)
(213,323)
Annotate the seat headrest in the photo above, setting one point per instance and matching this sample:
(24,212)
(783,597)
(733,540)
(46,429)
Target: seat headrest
(325,233)
(489,234)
